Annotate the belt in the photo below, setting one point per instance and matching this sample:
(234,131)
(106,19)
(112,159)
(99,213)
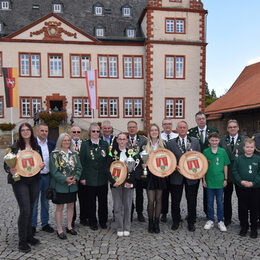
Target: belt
(45,174)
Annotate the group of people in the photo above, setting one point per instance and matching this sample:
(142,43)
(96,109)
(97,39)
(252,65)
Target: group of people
(81,168)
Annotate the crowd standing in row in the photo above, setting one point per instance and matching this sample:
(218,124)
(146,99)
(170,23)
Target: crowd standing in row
(77,167)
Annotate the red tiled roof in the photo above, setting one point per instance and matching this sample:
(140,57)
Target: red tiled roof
(244,93)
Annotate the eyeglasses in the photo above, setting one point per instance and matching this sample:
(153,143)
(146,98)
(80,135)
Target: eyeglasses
(119,139)
(76,132)
(95,131)
(25,130)
(167,123)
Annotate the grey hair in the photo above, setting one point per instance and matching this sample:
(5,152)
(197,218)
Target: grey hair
(232,121)
(59,142)
(90,128)
(106,122)
(182,122)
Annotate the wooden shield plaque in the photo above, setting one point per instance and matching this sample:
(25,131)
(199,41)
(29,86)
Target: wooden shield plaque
(118,171)
(161,162)
(28,163)
(193,165)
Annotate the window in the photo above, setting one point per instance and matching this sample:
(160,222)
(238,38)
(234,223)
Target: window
(174,107)
(29,106)
(29,65)
(81,107)
(5,5)
(79,64)
(126,11)
(99,32)
(174,25)
(107,66)
(133,107)
(98,10)
(55,65)
(57,8)
(1,106)
(130,33)
(1,27)
(108,107)
(133,66)
(174,67)
(1,62)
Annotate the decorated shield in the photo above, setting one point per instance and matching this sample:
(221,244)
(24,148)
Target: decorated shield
(161,162)
(193,165)
(118,171)
(28,163)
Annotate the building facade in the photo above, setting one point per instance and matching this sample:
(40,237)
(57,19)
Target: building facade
(149,56)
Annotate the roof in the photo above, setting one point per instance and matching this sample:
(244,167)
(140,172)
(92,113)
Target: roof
(244,93)
(79,13)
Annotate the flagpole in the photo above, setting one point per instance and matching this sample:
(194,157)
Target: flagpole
(12,134)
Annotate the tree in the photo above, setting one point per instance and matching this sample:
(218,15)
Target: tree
(210,97)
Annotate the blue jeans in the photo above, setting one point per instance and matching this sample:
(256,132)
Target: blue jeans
(43,186)
(211,193)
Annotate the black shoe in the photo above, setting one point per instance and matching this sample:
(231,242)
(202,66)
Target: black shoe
(61,235)
(94,227)
(47,228)
(150,226)
(175,226)
(227,222)
(140,217)
(191,227)
(33,241)
(103,225)
(164,218)
(71,231)
(253,233)
(33,231)
(24,247)
(156,228)
(243,232)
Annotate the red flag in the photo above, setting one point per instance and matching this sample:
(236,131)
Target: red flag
(91,81)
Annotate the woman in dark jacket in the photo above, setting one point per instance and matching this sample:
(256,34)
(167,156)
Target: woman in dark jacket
(25,189)
(122,194)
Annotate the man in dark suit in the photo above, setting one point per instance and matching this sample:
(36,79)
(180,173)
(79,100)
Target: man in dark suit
(136,142)
(179,146)
(233,143)
(47,146)
(201,132)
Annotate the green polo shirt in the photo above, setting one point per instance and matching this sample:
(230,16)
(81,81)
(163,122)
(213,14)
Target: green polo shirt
(216,161)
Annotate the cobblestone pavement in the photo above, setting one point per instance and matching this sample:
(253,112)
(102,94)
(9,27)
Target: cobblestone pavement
(104,244)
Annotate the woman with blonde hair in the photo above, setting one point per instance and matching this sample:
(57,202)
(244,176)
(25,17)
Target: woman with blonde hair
(155,185)
(65,169)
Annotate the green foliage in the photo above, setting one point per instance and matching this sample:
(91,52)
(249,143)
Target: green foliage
(7,127)
(54,119)
(210,97)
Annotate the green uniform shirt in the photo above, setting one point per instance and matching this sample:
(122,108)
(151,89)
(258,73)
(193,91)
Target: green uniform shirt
(215,175)
(247,169)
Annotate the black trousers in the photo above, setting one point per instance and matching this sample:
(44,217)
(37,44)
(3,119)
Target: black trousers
(82,195)
(139,196)
(259,205)
(25,194)
(191,197)
(228,190)
(248,201)
(165,198)
(99,193)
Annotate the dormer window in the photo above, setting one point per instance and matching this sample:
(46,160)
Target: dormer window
(126,11)
(5,5)
(130,33)
(1,27)
(57,8)
(36,7)
(100,32)
(98,10)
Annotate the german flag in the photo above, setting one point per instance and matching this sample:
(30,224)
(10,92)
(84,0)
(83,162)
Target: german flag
(10,82)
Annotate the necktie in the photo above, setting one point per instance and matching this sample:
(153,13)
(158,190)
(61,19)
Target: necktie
(232,143)
(132,140)
(76,143)
(168,137)
(201,136)
(183,146)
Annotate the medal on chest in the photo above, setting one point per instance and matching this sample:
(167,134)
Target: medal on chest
(250,168)
(217,163)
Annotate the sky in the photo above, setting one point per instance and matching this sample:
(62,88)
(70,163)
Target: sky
(233,37)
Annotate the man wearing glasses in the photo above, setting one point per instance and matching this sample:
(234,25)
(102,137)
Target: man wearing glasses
(233,144)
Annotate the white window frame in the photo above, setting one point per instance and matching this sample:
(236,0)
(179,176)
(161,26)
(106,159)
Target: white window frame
(133,107)
(174,68)
(138,67)
(169,108)
(5,5)
(100,32)
(107,65)
(77,107)
(79,64)
(103,69)
(170,25)
(26,107)
(98,10)
(130,33)
(174,108)
(138,107)
(128,105)
(87,109)
(108,107)
(25,64)
(103,107)
(133,67)
(113,107)
(126,11)
(57,8)
(128,67)
(55,65)
(179,108)
(180,25)
(36,105)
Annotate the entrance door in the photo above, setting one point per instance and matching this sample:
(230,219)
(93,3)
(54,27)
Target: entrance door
(56,103)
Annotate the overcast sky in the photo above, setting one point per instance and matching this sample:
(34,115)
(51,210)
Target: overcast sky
(233,37)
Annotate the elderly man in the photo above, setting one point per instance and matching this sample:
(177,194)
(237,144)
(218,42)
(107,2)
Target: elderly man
(47,146)
(107,134)
(179,146)
(136,142)
(75,133)
(166,135)
(233,144)
(201,132)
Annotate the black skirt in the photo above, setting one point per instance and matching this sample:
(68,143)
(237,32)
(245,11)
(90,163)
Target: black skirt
(64,198)
(155,182)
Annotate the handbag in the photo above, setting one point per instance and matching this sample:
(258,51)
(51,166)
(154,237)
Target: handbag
(50,194)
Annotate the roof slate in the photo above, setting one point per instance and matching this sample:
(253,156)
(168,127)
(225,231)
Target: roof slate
(80,14)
